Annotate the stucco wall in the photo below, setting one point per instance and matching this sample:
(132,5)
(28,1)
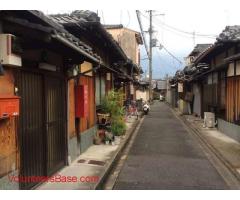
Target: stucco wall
(127,40)
(230,129)
(142,95)
(197,99)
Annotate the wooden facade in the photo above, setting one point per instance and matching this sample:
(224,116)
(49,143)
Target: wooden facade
(90,121)
(36,142)
(9,154)
(47,133)
(233,99)
(220,84)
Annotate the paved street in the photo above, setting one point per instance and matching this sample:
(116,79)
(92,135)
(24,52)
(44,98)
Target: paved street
(165,156)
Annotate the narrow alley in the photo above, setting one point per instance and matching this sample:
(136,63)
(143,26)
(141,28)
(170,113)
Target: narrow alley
(165,156)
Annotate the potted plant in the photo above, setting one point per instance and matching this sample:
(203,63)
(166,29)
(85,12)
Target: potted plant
(113,104)
(118,129)
(108,137)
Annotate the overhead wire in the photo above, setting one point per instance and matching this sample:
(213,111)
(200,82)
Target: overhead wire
(103,17)
(183,31)
(129,19)
(171,54)
(167,64)
(174,58)
(177,30)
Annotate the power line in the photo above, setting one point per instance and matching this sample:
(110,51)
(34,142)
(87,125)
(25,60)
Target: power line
(103,17)
(129,18)
(166,64)
(171,54)
(120,16)
(169,28)
(183,31)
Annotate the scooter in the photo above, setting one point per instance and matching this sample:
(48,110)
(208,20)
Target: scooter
(146,108)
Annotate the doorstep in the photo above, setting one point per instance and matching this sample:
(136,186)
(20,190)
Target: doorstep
(93,166)
(226,148)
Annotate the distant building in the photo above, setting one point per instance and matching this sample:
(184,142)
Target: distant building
(129,40)
(159,86)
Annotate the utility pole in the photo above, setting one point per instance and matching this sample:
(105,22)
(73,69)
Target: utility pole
(150,54)
(142,31)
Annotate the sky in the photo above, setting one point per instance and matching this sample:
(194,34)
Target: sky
(174,24)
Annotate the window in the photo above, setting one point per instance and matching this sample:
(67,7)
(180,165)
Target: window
(209,80)
(100,88)
(97,90)
(222,89)
(215,78)
(103,87)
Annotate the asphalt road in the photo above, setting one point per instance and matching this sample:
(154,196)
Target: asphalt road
(165,156)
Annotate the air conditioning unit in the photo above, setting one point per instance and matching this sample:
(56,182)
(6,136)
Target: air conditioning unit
(10,50)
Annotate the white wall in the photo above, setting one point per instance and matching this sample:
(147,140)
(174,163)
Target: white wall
(142,95)
(197,99)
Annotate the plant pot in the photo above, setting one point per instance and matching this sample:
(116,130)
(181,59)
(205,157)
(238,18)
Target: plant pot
(117,139)
(106,142)
(113,143)
(97,141)
(103,118)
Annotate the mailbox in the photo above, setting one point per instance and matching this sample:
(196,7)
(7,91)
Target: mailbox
(81,101)
(9,106)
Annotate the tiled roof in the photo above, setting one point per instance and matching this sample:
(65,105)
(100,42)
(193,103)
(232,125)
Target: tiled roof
(85,19)
(204,52)
(230,34)
(63,35)
(113,26)
(199,48)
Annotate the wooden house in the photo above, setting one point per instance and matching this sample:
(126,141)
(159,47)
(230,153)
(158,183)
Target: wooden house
(215,73)
(38,58)
(109,73)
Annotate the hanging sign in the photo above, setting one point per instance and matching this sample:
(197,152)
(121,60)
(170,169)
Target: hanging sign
(180,87)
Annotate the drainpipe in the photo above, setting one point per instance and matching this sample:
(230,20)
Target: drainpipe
(77,120)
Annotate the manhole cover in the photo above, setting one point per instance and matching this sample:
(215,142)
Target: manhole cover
(81,161)
(96,162)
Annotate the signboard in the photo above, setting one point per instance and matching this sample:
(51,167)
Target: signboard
(131,89)
(81,101)
(180,87)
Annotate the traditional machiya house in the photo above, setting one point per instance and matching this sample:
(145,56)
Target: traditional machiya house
(216,72)
(159,87)
(195,85)
(183,91)
(190,91)
(38,60)
(109,74)
(129,40)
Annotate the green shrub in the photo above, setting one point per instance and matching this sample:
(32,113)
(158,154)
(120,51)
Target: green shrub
(118,127)
(113,104)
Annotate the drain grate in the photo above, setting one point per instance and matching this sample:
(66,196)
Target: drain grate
(81,161)
(96,162)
